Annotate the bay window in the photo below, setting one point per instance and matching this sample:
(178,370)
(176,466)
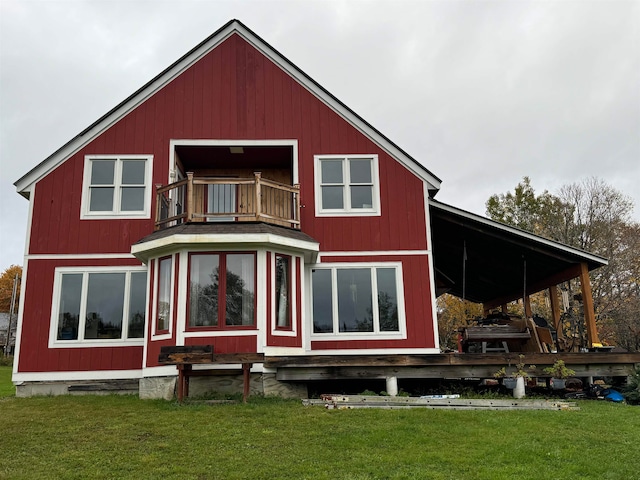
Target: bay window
(222,290)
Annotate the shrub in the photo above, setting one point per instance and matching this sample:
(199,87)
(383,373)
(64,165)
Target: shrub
(631,391)
(6,360)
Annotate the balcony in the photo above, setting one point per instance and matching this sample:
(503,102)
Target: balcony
(223,199)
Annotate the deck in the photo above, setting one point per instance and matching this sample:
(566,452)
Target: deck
(445,365)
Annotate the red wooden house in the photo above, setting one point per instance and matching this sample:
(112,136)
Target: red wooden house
(231,201)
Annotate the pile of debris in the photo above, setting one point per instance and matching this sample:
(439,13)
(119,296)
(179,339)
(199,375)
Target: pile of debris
(447,402)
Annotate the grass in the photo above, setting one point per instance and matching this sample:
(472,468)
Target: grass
(124,437)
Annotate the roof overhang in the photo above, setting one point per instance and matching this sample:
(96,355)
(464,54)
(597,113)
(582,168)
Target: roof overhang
(224,236)
(25,183)
(491,263)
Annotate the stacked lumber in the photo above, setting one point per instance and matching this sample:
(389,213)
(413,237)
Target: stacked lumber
(368,401)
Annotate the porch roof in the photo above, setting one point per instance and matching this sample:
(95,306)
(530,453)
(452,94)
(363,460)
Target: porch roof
(223,233)
(501,263)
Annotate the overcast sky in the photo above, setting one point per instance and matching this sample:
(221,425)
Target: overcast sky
(481,92)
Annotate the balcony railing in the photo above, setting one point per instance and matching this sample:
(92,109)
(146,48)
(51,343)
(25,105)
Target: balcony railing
(215,199)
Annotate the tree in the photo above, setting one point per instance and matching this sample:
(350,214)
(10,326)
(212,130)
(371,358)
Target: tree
(593,216)
(454,313)
(524,210)
(6,287)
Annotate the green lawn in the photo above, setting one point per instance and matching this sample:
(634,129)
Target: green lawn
(124,437)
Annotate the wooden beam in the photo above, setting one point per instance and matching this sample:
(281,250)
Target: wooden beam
(587,302)
(555,309)
(569,273)
(527,307)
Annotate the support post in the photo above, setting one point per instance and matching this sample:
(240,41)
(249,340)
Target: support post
(189,197)
(246,381)
(258,200)
(527,307)
(587,303)
(555,309)
(392,386)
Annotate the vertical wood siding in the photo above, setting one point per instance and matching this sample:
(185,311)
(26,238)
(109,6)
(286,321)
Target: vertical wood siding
(233,92)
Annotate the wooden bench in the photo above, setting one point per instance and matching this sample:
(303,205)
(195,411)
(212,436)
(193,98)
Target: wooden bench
(493,334)
(184,357)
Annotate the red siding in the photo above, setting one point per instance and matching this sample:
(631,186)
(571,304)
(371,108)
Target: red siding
(234,92)
(35,355)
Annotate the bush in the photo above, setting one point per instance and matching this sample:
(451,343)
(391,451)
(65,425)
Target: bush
(631,391)
(6,360)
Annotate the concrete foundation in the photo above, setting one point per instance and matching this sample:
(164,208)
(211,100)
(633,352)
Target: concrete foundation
(157,388)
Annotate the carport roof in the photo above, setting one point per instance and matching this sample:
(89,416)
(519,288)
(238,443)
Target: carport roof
(497,257)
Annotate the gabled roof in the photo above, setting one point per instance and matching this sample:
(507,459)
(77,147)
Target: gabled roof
(23,185)
(484,260)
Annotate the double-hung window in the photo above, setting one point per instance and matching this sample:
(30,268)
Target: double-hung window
(117,186)
(99,305)
(357,300)
(347,185)
(222,289)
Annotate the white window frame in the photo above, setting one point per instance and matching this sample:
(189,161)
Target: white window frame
(293,287)
(347,211)
(168,334)
(401,334)
(86,214)
(80,342)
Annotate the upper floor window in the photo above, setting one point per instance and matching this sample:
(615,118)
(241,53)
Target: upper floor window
(117,186)
(99,305)
(347,185)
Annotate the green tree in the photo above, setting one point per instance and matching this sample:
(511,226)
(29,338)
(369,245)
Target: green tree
(6,287)
(593,216)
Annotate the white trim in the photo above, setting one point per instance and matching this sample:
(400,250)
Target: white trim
(261,300)
(401,334)
(174,142)
(80,256)
(183,295)
(515,231)
(20,377)
(160,371)
(221,333)
(294,317)
(272,351)
(373,253)
(347,210)
(432,275)
(23,292)
(377,351)
(24,184)
(86,214)
(91,343)
(144,251)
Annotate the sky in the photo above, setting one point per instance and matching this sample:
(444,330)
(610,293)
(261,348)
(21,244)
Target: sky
(482,93)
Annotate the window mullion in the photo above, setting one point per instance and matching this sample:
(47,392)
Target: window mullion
(374,300)
(222,291)
(124,334)
(334,301)
(346,189)
(83,306)
(117,186)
